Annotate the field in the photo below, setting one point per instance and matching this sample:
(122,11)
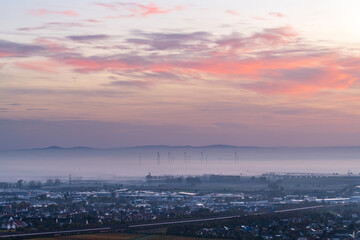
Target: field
(119,236)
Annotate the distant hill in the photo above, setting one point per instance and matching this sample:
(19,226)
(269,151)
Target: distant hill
(185,146)
(216,146)
(51,148)
(142,147)
(62,148)
(82,148)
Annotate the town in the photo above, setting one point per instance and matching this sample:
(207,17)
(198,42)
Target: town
(269,206)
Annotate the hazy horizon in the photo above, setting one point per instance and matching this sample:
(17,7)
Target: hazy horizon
(162,160)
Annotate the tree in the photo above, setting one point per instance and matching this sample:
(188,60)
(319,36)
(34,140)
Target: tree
(49,182)
(20,183)
(34,185)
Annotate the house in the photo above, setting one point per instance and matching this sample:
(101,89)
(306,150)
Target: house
(19,224)
(13,225)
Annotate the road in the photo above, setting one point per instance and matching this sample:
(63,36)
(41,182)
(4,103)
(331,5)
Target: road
(220,218)
(20,235)
(134,226)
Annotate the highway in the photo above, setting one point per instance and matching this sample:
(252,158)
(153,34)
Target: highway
(144,225)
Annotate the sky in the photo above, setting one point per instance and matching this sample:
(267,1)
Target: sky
(126,73)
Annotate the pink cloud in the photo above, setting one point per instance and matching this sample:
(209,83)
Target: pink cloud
(152,8)
(113,7)
(282,68)
(285,75)
(68,13)
(268,37)
(324,78)
(275,35)
(138,10)
(296,72)
(254,68)
(276,14)
(232,12)
(46,66)
(51,45)
(42,12)
(6,54)
(93,21)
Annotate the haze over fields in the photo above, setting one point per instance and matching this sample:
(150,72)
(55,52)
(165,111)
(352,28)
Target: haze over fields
(182,160)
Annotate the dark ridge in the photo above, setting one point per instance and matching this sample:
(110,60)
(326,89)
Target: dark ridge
(62,148)
(82,148)
(51,148)
(150,146)
(221,146)
(188,146)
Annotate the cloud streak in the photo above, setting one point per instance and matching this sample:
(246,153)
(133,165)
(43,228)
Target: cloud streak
(43,12)
(232,12)
(137,9)
(53,25)
(168,41)
(12,49)
(88,38)
(137,84)
(51,45)
(276,14)
(270,37)
(39,66)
